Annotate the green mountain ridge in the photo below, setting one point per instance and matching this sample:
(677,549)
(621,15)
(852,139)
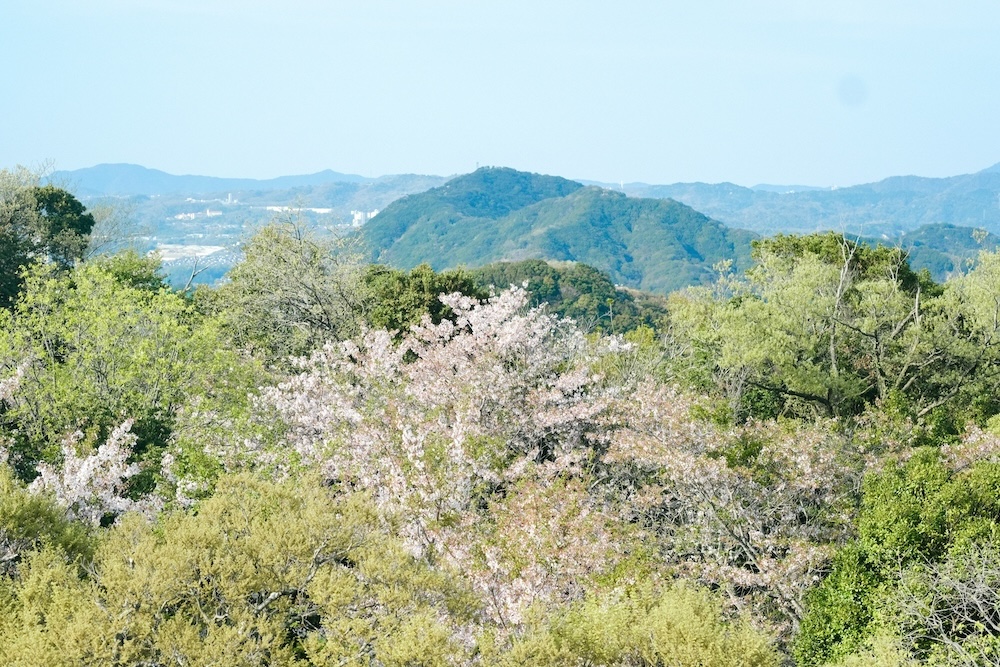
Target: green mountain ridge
(499,214)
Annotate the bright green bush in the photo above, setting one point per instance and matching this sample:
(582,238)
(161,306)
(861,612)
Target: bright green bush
(261,574)
(29,522)
(679,626)
(914,514)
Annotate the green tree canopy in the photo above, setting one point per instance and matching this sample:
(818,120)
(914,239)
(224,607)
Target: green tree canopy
(262,574)
(66,224)
(823,325)
(400,299)
(577,291)
(104,343)
(293,290)
(37,223)
(913,515)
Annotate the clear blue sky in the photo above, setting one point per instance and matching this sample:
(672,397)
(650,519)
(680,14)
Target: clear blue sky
(818,93)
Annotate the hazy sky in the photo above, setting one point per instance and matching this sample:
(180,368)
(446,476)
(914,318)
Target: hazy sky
(818,93)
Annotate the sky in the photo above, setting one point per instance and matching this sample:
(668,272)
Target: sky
(770,91)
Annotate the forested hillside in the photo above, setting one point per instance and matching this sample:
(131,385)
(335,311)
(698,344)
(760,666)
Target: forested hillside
(327,462)
(576,291)
(498,214)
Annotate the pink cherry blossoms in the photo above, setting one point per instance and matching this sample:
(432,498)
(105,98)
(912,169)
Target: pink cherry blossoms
(756,510)
(92,487)
(503,452)
(439,424)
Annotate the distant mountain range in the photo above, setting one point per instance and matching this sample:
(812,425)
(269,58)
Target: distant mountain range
(886,208)
(132,179)
(646,240)
(497,214)
(943,249)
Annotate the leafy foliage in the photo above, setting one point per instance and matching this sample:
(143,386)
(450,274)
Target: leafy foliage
(263,574)
(29,521)
(292,291)
(66,224)
(848,328)
(400,300)
(105,343)
(576,291)
(914,515)
(679,626)
(37,223)
(788,467)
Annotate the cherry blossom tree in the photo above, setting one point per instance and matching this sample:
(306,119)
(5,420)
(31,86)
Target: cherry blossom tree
(95,486)
(503,451)
(457,419)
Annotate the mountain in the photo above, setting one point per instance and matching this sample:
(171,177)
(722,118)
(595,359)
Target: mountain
(995,169)
(132,179)
(890,207)
(943,249)
(497,214)
(785,189)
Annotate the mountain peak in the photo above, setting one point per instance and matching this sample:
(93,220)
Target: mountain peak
(499,214)
(493,192)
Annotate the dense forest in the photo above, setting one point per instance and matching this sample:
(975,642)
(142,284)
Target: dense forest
(321,461)
(496,214)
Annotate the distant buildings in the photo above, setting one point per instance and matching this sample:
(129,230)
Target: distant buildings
(361,217)
(292,209)
(208,213)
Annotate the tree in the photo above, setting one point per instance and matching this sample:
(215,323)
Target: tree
(821,325)
(445,423)
(29,521)
(18,226)
(578,291)
(37,223)
(66,224)
(292,291)
(115,229)
(949,612)
(961,373)
(755,511)
(399,300)
(102,344)
(681,625)
(928,528)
